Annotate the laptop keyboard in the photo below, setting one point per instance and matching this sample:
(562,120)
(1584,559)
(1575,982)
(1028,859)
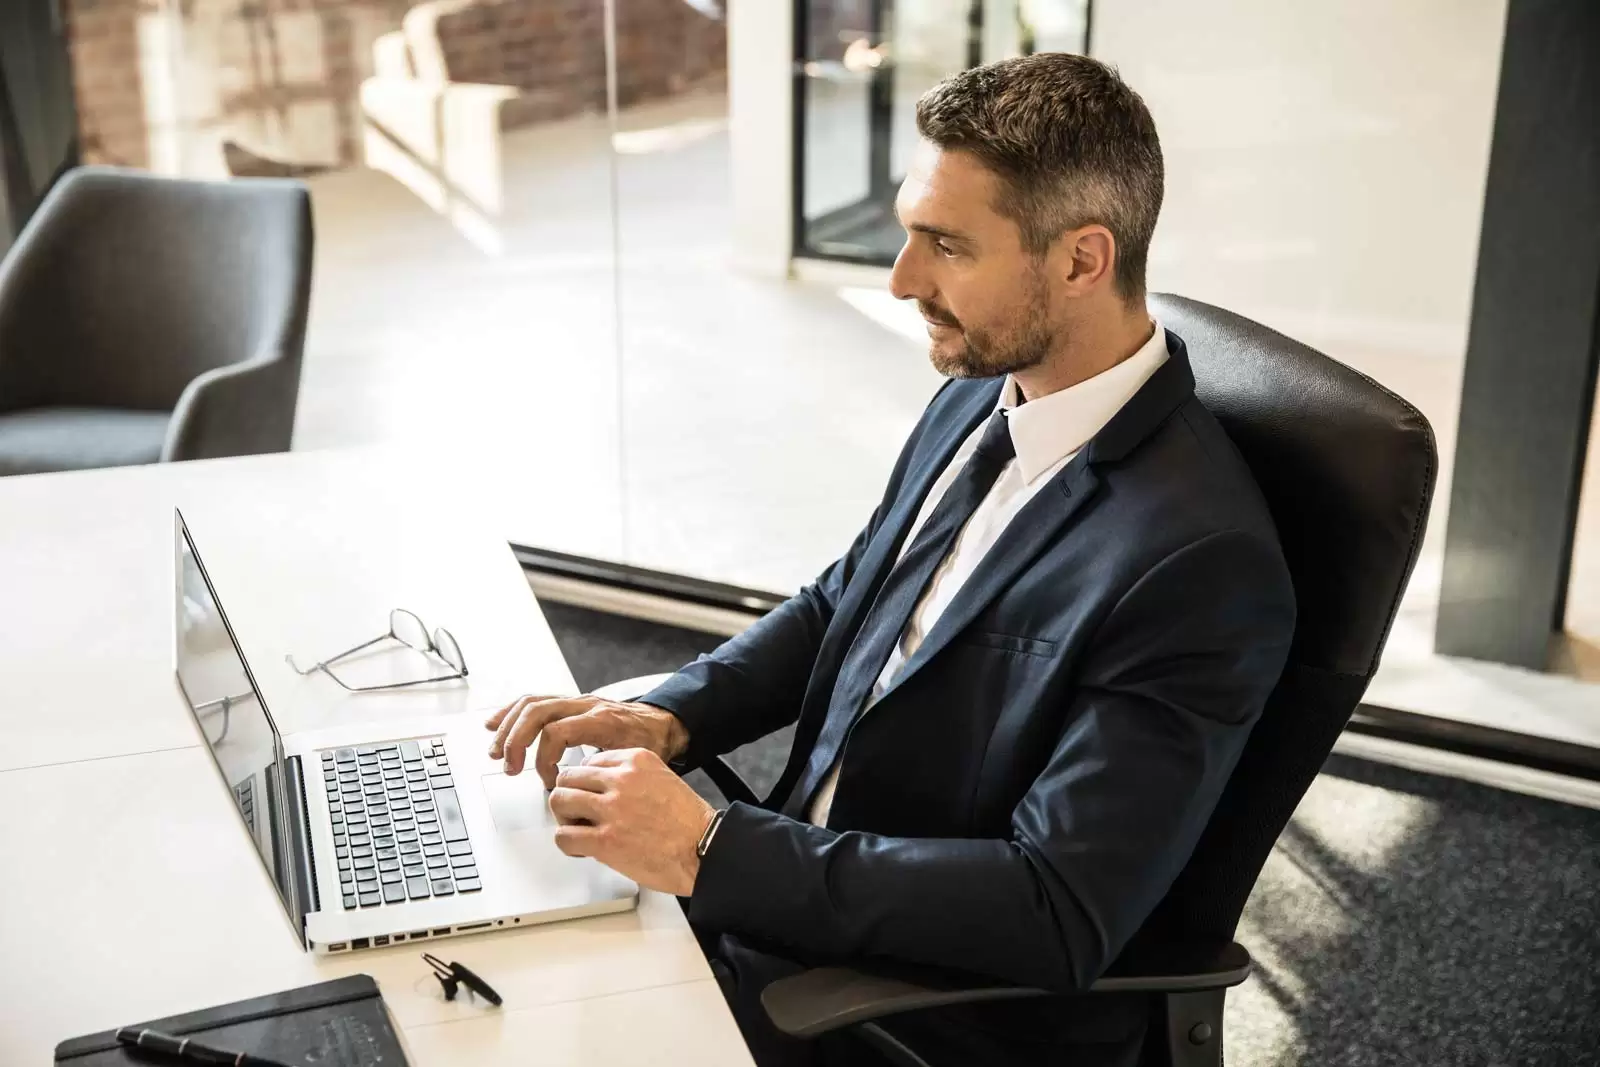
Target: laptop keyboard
(397,828)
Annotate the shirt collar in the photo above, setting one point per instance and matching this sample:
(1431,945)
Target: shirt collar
(1048,430)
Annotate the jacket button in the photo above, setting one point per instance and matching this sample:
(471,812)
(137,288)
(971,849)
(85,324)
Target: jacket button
(1199,1033)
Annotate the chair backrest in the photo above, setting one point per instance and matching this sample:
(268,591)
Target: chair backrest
(125,286)
(1347,469)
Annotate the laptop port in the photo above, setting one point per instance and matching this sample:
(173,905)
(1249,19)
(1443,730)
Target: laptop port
(360,942)
(381,940)
(441,931)
(418,934)
(337,946)
(473,926)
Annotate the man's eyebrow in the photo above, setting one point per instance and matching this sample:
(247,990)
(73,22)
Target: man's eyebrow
(932,231)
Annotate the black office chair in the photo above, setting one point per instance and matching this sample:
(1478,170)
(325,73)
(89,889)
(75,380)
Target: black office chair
(1347,468)
(147,319)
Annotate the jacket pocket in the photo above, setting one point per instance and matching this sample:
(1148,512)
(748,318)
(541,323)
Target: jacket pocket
(1026,646)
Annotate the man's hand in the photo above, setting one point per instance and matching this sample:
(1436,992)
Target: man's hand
(629,811)
(561,723)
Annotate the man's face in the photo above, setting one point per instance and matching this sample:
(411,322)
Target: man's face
(985,298)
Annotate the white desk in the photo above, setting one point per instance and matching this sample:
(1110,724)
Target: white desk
(131,891)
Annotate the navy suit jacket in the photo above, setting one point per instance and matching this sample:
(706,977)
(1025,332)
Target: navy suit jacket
(1028,788)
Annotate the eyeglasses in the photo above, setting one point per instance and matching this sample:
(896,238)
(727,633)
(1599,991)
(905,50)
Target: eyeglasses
(406,628)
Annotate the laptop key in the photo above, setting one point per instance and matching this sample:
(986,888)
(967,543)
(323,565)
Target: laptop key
(410,848)
(344,755)
(433,850)
(432,837)
(388,865)
(369,875)
(415,870)
(390,877)
(462,847)
(417,888)
(467,871)
(436,862)
(349,901)
(344,863)
(455,827)
(468,885)
(394,894)
(442,887)
(409,751)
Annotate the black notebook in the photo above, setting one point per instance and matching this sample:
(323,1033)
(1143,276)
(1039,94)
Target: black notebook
(342,1023)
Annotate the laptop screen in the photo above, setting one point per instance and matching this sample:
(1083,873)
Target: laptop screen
(222,694)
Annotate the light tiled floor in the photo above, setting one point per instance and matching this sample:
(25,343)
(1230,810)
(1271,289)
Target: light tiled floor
(741,430)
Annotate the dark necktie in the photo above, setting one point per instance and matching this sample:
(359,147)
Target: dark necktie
(886,621)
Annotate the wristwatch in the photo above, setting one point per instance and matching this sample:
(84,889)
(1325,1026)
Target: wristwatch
(710,832)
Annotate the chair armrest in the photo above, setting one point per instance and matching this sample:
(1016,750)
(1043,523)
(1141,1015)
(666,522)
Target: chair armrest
(817,1001)
(243,409)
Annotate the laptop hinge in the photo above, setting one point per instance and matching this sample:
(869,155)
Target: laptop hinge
(301,863)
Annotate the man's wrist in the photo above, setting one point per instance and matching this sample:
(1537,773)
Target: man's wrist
(676,740)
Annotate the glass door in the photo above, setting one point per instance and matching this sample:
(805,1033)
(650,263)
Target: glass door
(861,66)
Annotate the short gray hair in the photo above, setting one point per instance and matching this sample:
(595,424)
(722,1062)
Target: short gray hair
(1071,143)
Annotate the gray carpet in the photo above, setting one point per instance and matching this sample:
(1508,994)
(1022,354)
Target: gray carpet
(1402,918)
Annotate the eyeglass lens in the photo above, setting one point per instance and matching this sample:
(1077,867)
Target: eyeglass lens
(449,651)
(409,629)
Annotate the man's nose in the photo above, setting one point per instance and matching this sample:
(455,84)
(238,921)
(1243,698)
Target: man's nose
(904,280)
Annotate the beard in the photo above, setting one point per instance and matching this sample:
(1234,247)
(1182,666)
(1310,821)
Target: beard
(976,352)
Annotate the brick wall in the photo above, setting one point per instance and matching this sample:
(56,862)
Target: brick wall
(162,83)
(105,56)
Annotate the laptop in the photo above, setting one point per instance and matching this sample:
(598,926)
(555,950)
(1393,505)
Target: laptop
(374,837)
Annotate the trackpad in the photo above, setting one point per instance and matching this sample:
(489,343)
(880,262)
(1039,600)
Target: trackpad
(516,803)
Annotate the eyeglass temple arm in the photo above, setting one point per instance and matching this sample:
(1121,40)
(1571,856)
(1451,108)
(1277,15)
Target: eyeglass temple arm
(340,656)
(394,685)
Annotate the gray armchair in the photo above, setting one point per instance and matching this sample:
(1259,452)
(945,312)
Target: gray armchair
(147,319)
(1347,469)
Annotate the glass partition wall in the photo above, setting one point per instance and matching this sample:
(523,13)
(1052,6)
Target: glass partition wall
(525,278)
(860,67)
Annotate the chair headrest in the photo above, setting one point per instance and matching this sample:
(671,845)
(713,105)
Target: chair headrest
(1346,467)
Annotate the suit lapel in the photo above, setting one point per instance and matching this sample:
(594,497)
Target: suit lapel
(1072,489)
(885,548)
(1033,530)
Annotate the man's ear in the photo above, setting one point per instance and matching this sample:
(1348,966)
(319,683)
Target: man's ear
(1086,258)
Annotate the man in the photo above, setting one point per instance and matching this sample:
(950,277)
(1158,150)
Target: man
(1021,690)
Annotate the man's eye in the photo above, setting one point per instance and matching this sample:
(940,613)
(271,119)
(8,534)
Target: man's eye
(943,249)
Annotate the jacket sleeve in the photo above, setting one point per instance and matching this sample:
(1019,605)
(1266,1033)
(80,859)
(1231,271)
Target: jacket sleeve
(754,683)
(1155,721)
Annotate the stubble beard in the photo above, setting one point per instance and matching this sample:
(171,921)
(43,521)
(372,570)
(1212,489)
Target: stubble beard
(983,354)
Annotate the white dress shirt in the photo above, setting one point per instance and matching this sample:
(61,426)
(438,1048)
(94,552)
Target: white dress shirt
(1047,433)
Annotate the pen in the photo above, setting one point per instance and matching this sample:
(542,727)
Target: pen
(190,1051)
